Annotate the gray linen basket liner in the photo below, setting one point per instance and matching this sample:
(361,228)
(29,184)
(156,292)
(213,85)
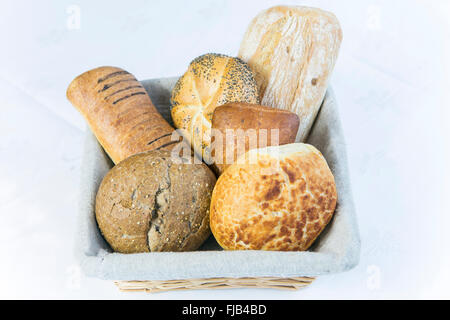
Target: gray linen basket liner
(336,250)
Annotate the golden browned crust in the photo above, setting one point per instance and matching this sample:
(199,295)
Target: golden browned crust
(280,127)
(210,81)
(119,112)
(281,202)
(292,50)
(148,202)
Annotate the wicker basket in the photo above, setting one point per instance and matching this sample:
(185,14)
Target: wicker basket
(336,249)
(215,283)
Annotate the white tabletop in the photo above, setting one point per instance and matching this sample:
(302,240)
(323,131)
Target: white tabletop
(391,81)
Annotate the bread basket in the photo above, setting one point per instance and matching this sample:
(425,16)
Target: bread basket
(336,250)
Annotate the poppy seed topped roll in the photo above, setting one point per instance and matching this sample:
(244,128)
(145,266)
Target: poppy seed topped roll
(210,81)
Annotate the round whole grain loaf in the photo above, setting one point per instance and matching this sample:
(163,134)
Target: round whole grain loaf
(150,202)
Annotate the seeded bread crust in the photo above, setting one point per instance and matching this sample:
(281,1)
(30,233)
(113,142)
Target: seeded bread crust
(210,81)
(150,203)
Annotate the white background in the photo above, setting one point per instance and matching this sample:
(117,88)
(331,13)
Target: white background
(391,81)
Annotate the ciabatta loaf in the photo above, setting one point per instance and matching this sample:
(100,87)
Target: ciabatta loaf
(210,81)
(292,51)
(119,112)
(281,199)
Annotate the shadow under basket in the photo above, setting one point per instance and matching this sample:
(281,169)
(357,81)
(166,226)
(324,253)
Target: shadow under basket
(335,250)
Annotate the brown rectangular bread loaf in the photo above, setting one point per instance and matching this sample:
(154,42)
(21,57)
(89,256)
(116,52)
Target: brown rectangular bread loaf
(119,112)
(238,115)
(292,51)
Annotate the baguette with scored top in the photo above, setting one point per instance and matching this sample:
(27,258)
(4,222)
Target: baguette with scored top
(119,112)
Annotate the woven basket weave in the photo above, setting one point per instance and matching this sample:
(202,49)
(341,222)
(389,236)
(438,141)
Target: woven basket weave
(294,283)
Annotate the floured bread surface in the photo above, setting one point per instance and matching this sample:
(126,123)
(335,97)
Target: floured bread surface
(280,198)
(148,202)
(210,81)
(292,51)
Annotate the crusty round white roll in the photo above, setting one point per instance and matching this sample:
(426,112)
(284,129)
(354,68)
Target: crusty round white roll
(210,81)
(292,51)
(275,198)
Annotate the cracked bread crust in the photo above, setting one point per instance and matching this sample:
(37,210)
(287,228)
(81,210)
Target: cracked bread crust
(280,202)
(147,203)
